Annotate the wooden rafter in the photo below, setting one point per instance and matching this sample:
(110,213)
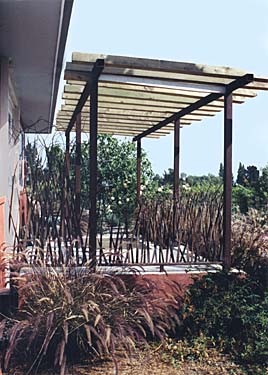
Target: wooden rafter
(135,94)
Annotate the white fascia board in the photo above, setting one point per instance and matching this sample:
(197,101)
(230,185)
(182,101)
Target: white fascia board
(143,81)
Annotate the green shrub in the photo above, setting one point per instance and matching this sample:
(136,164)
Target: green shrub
(76,313)
(177,351)
(233,309)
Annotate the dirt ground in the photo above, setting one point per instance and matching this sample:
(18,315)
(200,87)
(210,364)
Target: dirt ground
(151,363)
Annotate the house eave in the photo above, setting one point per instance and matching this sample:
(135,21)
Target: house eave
(33,37)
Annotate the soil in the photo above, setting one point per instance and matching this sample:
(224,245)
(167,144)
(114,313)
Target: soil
(151,363)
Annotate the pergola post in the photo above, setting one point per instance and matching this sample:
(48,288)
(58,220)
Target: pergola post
(176,181)
(67,153)
(66,182)
(78,168)
(138,170)
(93,170)
(227,191)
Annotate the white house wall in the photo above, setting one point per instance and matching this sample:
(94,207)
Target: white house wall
(11,168)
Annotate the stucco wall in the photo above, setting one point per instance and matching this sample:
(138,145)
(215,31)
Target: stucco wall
(10,164)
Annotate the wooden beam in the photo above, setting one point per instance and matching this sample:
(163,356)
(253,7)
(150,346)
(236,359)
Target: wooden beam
(153,111)
(80,72)
(64,123)
(96,71)
(240,82)
(66,110)
(127,94)
(104,115)
(160,86)
(154,85)
(69,104)
(135,129)
(156,64)
(110,129)
(127,127)
(121,112)
(125,133)
(186,76)
(147,120)
(129,124)
(118,121)
(145,103)
(116,132)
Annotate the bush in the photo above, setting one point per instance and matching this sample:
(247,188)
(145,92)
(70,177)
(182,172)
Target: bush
(76,313)
(232,309)
(250,244)
(177,351)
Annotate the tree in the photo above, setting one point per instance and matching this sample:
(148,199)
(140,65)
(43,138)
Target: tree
(263,187)
(243,198)
(209,179)
(168,177)
(241,175)
(221,171)
(253,175)
(116,176)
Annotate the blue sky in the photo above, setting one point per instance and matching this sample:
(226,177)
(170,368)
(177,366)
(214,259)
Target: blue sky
(229,33)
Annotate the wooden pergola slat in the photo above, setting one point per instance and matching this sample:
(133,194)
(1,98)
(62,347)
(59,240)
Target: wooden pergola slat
(184,112)
(134,113)
(199,77)
(138,96)
(69,100)
(146,103)
(241,94)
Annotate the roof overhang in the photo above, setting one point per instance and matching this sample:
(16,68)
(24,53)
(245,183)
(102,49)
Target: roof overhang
(143,97)
(33,37)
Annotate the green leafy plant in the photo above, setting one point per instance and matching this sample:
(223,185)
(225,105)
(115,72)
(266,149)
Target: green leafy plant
(233,309)
(178,351)
(69,313)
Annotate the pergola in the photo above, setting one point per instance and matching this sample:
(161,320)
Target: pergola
(149,98)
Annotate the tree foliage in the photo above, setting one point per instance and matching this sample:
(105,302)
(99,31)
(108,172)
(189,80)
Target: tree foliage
(117,176)
(250,189)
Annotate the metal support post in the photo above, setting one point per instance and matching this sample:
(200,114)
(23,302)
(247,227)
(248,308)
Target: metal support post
(227,192)
(176,182)
(78,168)
(138,170)
(93,167)
(67,153)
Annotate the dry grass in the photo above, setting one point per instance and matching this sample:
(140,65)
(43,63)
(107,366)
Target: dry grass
(150,363)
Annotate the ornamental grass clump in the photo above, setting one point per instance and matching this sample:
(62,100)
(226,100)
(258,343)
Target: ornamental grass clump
(250,244)
(72,314)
